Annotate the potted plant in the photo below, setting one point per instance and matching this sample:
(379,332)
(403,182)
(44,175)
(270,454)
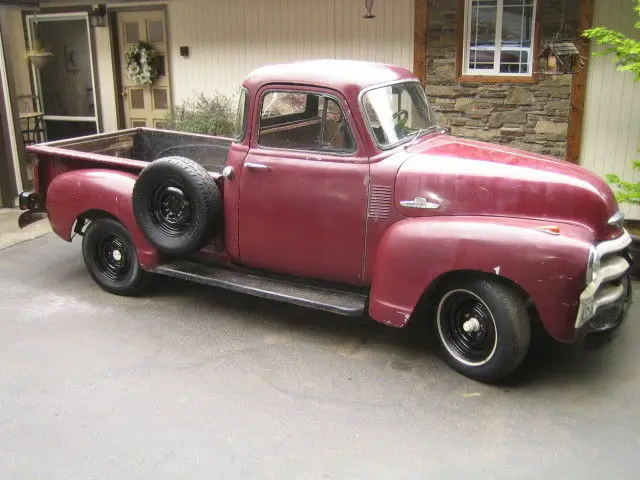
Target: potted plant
(38,55)
(628,192)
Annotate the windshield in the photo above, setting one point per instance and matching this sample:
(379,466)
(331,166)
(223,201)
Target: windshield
(396,112)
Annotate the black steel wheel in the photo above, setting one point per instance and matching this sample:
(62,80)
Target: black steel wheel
(177,205)
(483,327)
(171,209)
(110,257)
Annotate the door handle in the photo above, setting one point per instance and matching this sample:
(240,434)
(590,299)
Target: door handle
(254,167)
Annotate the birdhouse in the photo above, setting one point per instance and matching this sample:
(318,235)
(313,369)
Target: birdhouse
(560,58)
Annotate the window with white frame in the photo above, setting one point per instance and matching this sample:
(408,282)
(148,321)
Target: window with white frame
(498,37)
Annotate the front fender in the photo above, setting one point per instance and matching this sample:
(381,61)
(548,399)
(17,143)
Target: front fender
(415,252)
(74,193)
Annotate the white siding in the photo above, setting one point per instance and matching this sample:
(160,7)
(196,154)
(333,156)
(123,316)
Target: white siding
(105,81)
(612,118)
(16,52)
(229,38)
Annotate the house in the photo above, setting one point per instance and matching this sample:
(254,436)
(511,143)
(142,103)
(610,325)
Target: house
(478,60)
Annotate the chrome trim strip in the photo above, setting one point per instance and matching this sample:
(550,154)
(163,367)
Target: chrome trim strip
(616,245)
(613,268)
(617,219)
(608,295)
(420,202)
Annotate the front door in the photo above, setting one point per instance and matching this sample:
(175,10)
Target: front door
(303,189)
(144,105)
(64,101)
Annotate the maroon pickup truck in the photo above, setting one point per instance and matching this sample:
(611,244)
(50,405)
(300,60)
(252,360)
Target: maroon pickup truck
(340,193)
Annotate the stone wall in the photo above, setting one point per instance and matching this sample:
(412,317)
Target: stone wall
(531,117)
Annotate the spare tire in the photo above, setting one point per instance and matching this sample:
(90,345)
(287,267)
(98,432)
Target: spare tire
(177,205)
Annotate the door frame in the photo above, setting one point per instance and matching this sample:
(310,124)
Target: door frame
(117,61)
(54,16)
(13,169)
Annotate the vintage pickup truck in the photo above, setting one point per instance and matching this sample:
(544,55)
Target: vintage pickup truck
(340,193)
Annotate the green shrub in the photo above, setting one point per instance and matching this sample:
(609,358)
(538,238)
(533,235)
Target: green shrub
(207,115)
(626,192)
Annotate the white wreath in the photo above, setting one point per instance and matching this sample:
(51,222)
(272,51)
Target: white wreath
(139,63)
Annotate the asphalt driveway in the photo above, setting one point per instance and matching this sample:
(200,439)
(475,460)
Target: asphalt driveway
(193,382)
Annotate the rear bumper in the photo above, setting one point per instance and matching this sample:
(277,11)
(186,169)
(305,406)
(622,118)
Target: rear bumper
(31,203)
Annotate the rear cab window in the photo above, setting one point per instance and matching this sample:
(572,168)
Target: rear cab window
(304,121)
(241,117)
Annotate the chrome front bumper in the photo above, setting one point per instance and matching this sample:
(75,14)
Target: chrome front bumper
(607,285)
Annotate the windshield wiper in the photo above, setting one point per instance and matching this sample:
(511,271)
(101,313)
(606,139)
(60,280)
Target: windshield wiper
(422,132)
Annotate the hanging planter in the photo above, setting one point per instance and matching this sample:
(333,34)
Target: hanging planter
(139,63)
(38,56)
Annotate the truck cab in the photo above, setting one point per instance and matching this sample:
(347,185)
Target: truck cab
(341,192)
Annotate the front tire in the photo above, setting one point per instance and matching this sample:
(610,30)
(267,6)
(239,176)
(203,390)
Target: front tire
(110,257)
(483,328)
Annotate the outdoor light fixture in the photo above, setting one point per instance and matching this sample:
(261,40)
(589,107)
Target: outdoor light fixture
(98,16)
(368,4)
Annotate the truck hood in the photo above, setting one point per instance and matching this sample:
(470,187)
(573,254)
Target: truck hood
(466,177)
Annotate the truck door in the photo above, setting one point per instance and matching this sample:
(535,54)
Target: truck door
(303,188)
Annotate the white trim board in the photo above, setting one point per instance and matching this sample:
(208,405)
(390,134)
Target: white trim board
(9,114)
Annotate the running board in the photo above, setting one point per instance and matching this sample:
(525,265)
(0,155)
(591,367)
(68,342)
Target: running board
(335,300)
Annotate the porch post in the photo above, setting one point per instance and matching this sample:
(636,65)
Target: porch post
(420,41)
(579,86)
(10,181)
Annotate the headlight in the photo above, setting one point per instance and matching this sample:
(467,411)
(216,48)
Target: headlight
(593,264)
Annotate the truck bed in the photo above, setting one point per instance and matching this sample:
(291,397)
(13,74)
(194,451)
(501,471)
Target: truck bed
(143,145)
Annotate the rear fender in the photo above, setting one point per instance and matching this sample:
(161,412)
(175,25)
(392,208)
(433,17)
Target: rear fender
(73,194)
(414,253)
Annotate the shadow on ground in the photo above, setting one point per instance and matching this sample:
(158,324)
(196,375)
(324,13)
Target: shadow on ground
(548,361)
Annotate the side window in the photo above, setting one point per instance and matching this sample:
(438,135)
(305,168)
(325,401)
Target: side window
(336,134)
(303,121)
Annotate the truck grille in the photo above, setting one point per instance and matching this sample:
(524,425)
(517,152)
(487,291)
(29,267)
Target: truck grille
(608,287)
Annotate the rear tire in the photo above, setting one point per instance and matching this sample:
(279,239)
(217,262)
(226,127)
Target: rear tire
(110,257)
(483,328)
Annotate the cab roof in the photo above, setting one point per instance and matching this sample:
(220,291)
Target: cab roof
(341,75)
